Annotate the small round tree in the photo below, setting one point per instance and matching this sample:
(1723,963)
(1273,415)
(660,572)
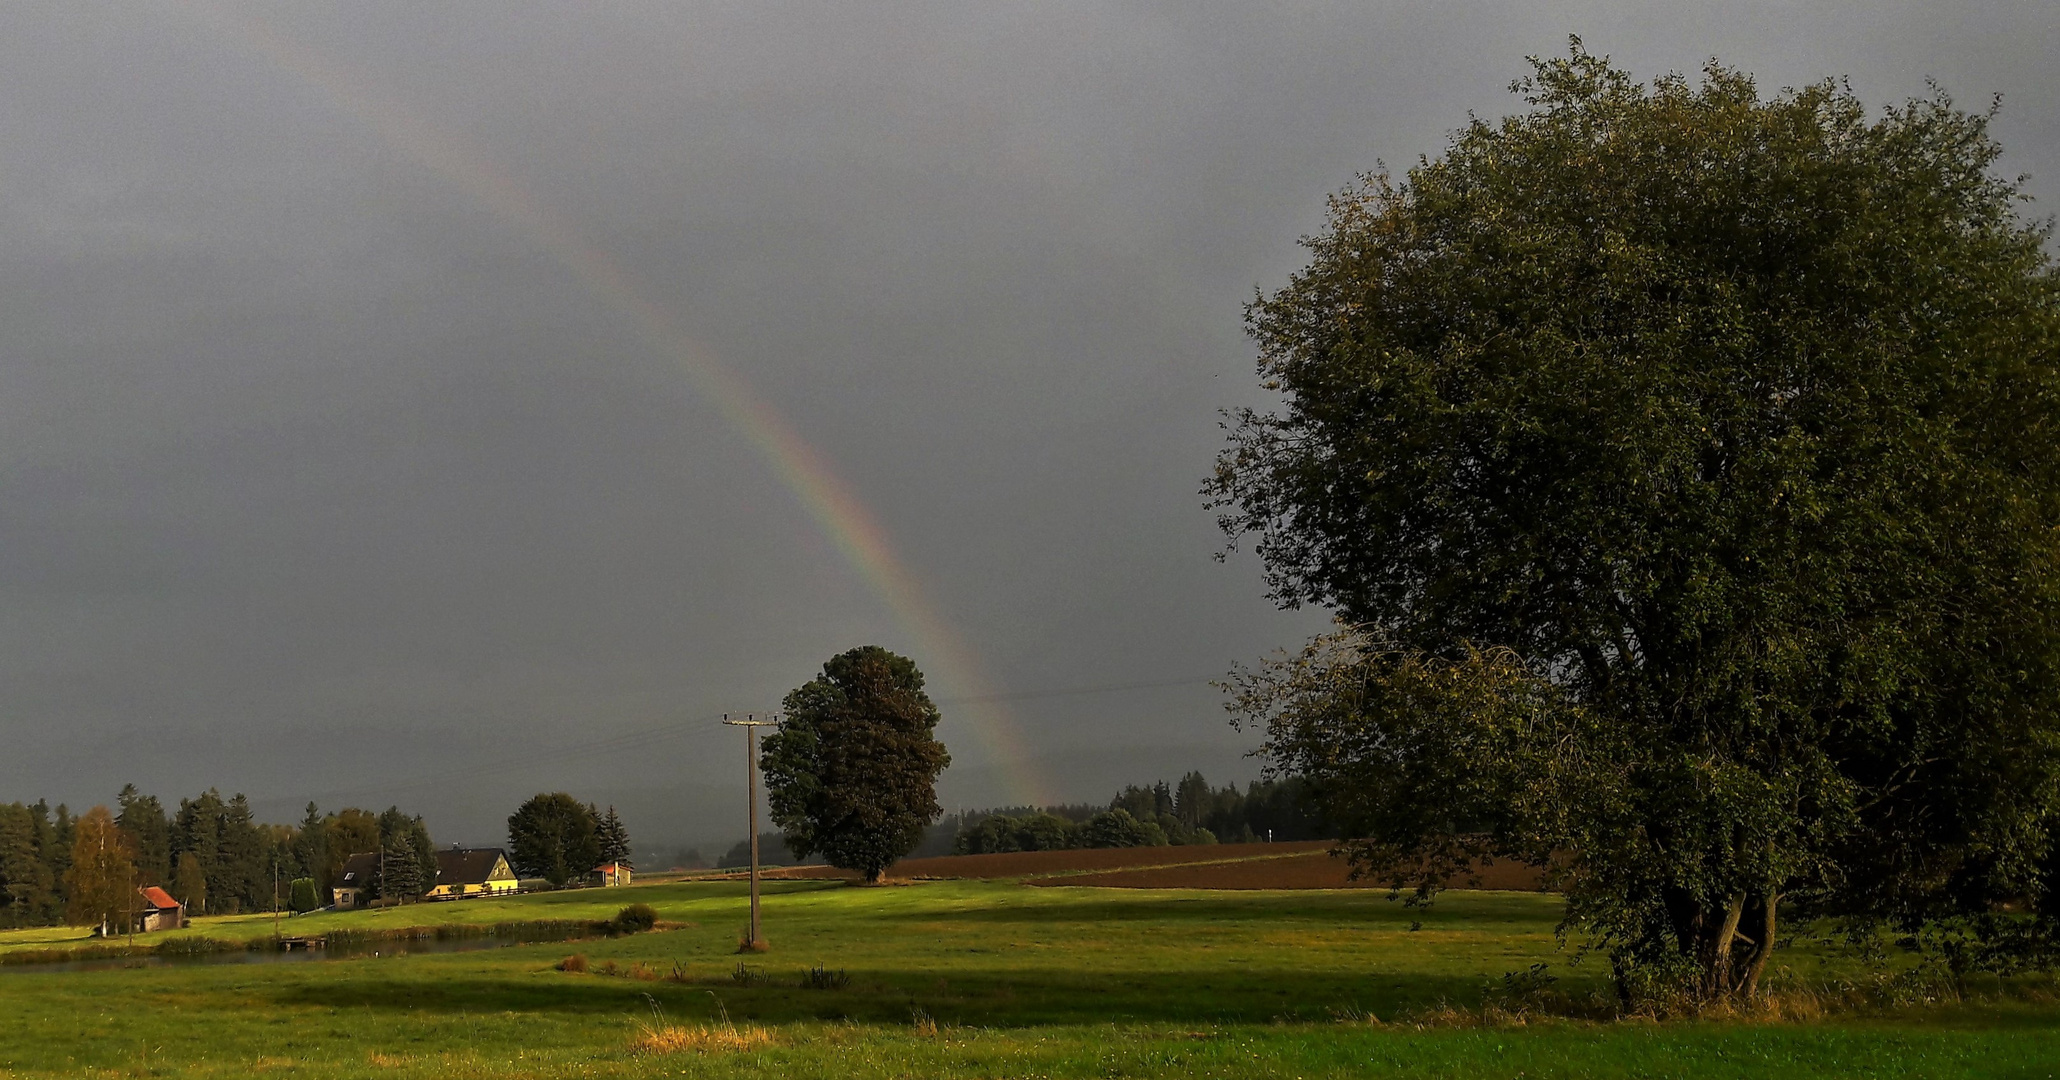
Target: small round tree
(553,837)
(852,772)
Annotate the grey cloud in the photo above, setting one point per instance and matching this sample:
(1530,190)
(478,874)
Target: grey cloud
(319,478)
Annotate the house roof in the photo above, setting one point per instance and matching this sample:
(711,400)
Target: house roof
(358,870)
(467,866)
(157,898)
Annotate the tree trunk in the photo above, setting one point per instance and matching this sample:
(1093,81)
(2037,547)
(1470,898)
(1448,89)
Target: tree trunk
(1718,979)
(1759,957)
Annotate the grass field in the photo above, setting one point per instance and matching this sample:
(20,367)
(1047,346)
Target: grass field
(956,978)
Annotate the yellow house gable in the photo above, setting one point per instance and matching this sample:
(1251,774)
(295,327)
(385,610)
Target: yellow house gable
(475,872)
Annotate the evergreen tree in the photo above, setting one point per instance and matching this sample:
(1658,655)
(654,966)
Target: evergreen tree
(54,835)
(64,832)
(1193,800)
(398,832)
(311,845)
(399,876)
(197,840)
(613,839)
(243,865)
(143,818)
(27,889)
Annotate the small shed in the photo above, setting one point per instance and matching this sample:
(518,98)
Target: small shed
(608,874)
(158,911)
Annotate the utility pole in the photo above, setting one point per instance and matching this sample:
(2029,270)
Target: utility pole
(275,897)
(751,723)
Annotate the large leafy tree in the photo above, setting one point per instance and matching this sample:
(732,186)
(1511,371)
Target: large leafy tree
(347,832)
(852,772)
(553,836)
(1690,456)
(101,882)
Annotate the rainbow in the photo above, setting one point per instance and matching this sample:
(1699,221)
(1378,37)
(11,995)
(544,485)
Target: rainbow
(836,510)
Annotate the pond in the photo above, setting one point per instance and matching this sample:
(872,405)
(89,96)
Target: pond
(340,950)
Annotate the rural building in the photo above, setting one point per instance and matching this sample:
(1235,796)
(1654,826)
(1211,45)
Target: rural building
(159,911)
(354,882)
(609,874)
(467,872)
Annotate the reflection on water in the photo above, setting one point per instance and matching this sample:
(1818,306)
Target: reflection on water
(341,950)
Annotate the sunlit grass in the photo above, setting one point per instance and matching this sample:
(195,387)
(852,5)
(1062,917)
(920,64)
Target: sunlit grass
(965,979)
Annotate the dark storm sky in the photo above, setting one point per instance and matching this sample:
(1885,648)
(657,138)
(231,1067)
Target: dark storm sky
(321,477)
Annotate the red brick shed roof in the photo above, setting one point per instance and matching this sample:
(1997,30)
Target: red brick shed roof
(157,898)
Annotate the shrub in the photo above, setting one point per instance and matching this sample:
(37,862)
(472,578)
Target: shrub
(304,896)
(822,978)
(1118,828)
(197,946)
(634,919)
(576,962)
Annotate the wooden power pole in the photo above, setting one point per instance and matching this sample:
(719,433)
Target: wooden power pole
(753,942)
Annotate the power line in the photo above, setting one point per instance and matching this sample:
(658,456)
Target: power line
(707,723)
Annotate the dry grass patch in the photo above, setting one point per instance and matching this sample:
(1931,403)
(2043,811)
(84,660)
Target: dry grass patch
(702,1038)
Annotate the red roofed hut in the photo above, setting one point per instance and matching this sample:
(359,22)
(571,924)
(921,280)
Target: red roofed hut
(159,911)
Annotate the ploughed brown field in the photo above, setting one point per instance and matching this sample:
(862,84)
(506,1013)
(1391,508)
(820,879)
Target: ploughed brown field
(1304,864)
(1302,870)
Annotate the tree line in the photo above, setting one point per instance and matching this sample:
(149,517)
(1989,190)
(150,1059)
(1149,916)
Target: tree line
(214,856)
(1190,812)
(209,853)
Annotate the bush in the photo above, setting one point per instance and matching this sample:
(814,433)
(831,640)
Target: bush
(633,919)
(822,978)
(198,946)
(304,896)
(575,962)
(1117,828)
(997,833)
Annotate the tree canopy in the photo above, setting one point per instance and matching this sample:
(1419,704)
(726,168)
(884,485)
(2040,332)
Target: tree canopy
(1688,457)
(101,881)
(852,771)
(553,836)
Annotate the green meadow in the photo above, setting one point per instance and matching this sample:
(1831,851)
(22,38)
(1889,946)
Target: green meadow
(968,979)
